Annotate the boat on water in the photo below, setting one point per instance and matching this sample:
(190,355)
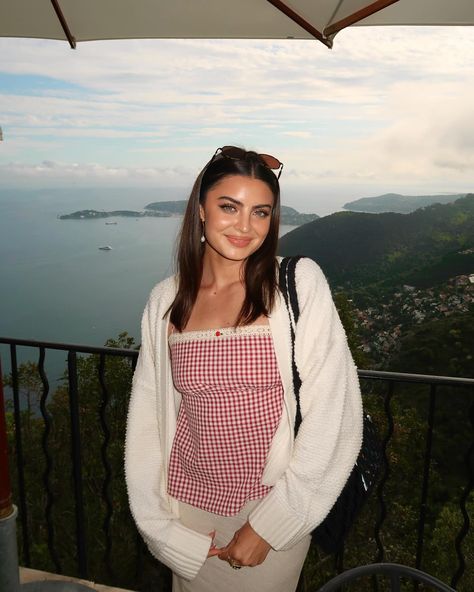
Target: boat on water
(106,248)
(110,223)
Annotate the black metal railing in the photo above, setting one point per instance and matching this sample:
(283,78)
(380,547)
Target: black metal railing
(93,380)
(434,383)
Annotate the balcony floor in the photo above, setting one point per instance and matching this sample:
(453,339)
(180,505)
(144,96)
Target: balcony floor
(34,575)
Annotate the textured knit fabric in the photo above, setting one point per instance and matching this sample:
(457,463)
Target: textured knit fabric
(231,405)
(278,573)
(307,473)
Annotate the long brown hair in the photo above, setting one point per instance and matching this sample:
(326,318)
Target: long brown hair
(260,270)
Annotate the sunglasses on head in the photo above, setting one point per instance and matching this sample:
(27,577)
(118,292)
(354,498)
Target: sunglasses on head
(237,153)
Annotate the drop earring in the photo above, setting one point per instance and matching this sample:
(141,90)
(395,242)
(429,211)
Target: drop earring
(203,236)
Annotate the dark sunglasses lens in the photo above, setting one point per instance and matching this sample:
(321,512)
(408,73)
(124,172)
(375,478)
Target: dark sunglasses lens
(270,161)
(233,152)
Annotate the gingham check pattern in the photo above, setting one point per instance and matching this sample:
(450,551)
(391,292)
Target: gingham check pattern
(232,399)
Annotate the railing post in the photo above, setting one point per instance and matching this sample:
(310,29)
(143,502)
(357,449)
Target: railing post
(386,472)
(463,506)
(6,506)
(77,463)
(48,510)
(106,465)
(426,478)
(21,497)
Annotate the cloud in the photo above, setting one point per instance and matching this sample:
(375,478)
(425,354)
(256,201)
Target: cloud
(378,108)
(430,134)
(212,131)
(297,134)
(90,174)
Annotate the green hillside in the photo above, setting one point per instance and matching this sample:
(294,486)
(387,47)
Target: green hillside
(389,249)
(441,346)
(394,202)
(173,207)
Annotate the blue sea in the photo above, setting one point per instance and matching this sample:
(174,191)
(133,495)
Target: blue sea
(57,285)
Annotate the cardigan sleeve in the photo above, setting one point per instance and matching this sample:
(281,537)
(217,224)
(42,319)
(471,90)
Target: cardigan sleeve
(330,434)
(180,548)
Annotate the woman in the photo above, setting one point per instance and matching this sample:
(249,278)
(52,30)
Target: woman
(214,476)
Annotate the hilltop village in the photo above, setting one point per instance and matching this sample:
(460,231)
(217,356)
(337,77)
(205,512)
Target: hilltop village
(381,327)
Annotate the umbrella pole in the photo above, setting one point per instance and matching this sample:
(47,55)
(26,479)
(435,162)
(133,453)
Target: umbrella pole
(9,575)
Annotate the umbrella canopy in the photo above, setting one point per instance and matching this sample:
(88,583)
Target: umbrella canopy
(87,20)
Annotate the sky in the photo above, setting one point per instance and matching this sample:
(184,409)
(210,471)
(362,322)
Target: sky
(389,109)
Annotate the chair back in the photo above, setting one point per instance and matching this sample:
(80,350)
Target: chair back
(392,571)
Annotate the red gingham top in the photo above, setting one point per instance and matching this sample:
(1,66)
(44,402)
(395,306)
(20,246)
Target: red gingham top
(232,399)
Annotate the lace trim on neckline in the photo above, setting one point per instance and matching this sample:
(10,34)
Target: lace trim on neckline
(219,333)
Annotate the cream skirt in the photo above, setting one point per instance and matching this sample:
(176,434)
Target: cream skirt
(278,573)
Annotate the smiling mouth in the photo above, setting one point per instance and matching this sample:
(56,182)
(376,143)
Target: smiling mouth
(239,241)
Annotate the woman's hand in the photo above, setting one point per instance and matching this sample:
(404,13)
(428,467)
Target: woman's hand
(213,550)
(246,548)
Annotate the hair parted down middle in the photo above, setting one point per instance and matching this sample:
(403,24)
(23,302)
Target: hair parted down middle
(260,271)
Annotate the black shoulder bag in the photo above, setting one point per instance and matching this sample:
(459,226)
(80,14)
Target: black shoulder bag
(332,531)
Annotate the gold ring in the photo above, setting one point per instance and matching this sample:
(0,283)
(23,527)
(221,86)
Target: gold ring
(234,564)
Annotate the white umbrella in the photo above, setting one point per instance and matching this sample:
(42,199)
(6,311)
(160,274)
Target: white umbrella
(87,20)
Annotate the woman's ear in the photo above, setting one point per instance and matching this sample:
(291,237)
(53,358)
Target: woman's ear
(201,213)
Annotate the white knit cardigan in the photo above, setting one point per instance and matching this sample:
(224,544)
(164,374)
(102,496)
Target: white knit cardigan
(307,474)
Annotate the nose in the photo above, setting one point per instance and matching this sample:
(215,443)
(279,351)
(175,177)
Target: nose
(243,223)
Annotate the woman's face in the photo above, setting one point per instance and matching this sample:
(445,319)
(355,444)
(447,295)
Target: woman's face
(236,214)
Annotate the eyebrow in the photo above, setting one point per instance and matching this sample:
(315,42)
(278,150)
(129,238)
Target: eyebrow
(239,203)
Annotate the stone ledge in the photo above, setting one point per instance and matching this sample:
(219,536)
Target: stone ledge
(34,575)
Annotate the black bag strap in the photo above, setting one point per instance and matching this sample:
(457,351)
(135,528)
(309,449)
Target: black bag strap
(287,285)
(330,534)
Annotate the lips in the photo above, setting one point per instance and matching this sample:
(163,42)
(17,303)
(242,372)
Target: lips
(238,241)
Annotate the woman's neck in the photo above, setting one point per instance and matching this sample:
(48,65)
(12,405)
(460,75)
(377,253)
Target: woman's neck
(221,273)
